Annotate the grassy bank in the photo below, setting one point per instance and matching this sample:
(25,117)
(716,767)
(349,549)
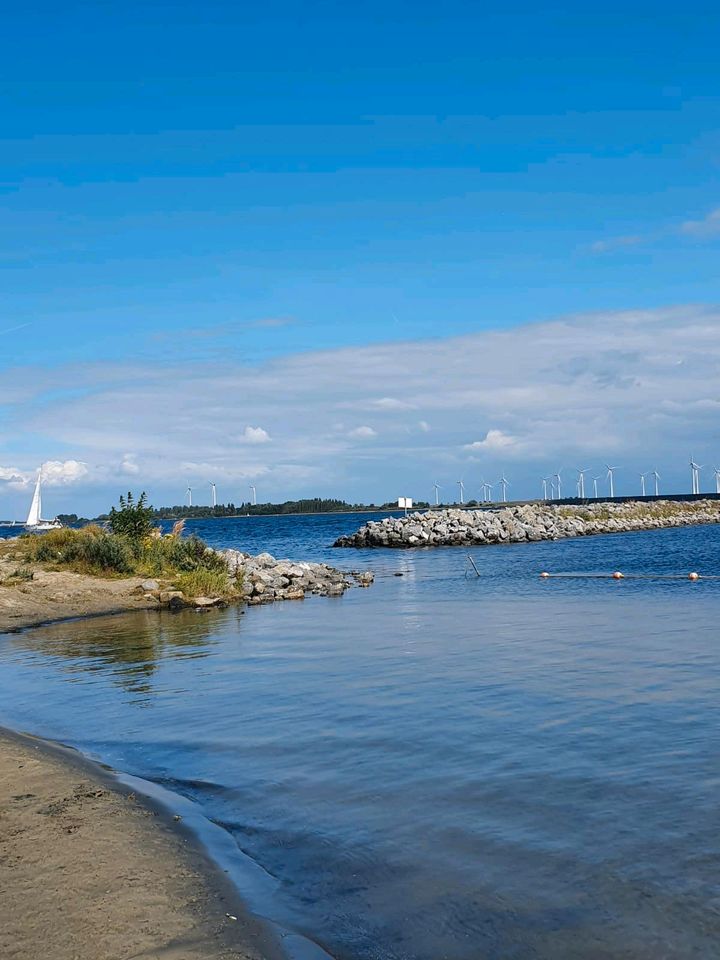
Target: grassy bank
(184,563)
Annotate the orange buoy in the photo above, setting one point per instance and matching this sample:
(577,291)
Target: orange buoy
(693,576)
(618,576)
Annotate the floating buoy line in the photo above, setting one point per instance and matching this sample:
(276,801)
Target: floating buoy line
(693,576)
(618,575)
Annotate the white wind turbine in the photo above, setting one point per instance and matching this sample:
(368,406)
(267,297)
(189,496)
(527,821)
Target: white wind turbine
(545,487)
(695,468)
(504,484)
(656,476)
(254,495)
(595,483)
(188,494)
(214,493)
(581,483)
(489,490)
(642,484)
(717,480)
(462,491)
(558,485)
(437,488)
(611,479)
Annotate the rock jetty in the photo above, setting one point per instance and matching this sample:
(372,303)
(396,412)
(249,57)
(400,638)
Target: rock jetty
(528,523)
(263,579)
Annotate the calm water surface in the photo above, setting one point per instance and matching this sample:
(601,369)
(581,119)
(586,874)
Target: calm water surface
(440,766)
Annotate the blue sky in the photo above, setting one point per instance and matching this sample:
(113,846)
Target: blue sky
(226,193)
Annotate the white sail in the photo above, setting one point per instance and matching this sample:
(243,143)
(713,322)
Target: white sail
(35,513)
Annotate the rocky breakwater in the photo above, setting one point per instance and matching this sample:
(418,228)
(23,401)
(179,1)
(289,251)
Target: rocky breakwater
(263,579)
(528,523)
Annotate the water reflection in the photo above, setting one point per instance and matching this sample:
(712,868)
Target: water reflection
(127,649)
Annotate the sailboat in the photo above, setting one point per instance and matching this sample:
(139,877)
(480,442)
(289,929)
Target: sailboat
(34,519)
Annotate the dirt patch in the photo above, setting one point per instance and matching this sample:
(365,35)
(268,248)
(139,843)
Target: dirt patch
(57,595)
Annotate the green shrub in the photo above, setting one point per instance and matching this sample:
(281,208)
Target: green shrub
(132,520)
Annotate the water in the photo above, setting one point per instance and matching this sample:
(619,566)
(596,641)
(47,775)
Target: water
(440,766)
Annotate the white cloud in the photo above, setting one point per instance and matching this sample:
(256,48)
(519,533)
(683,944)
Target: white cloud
(495,440)
(129,465)
(56,473)
(13,477)
(707,227)
(256,435)
(621,386)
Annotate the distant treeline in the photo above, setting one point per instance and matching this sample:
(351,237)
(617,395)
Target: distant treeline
(314,505)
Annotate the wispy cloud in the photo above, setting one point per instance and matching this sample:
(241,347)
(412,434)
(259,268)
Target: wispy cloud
(708,226)
(19,326)
(702,229)
(617,243)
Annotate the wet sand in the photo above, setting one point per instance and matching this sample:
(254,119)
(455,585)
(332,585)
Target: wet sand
(89,872)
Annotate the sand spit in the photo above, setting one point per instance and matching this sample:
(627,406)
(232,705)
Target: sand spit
(40,595)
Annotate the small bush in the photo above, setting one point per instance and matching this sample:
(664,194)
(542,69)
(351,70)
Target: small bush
(133,520)
(90,550)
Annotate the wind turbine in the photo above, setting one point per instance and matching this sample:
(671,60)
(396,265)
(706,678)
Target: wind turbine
(611,479)
(489,488)
(717,480)
(545,483)
(581,483)
(656,476)
(462,492)
(504,484)
(558,487)
(642,484)
(595,483)
(188,494)
(214,493)
(437,488)
(254,495)
(695,468)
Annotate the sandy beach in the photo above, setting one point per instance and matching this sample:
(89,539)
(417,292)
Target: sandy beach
(89,872)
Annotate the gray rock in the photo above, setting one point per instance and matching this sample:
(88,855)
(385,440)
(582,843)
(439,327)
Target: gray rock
(530,522)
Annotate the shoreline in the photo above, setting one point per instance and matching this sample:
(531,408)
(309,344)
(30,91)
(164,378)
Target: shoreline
(53,596)
(125,877)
